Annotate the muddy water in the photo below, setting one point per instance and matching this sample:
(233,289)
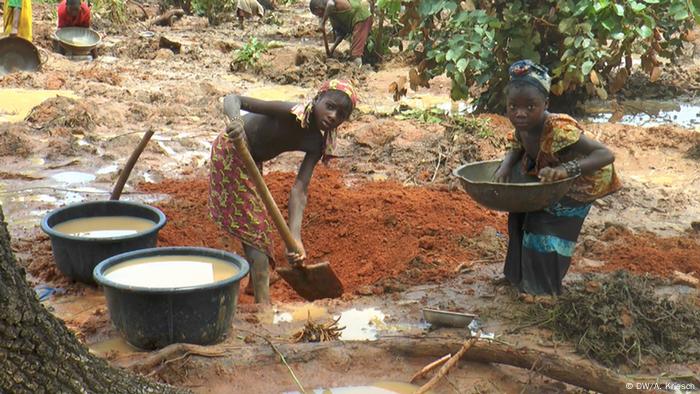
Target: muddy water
(300,313)
(647,113)
(375,388)
(171,271)
(15,104)
(104,226)
(361,324)
(113,346)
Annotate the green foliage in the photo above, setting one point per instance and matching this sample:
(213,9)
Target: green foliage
(583,42)
(248,56)
(385,30)
(113,10)
(213,8)
(432,115)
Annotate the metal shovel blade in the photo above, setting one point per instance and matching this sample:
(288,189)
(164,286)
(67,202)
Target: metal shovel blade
(313,281)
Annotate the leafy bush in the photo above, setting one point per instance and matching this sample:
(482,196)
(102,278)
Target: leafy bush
(587,44)
(112,10)
(386,29)
(213,8)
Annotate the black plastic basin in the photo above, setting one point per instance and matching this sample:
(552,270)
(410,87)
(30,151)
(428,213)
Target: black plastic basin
(151,318)
(77,257)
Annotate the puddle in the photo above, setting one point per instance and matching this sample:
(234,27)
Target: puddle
(17,103)
(375,388)
(361,324)
(281,93)
(300,313)
(112,347)
(72,177)
(107,169)
(647,113)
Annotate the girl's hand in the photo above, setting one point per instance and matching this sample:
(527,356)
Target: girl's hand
(234,128)
(502,174)
(297,258)
(549,174)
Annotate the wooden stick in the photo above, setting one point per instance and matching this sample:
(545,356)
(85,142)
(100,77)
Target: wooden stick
(424,371)
(284,361)
(448,365)
(117,192)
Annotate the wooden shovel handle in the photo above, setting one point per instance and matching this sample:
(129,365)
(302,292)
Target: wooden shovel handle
(242,147)
(124,175)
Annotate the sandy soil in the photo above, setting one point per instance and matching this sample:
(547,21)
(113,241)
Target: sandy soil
(387,214)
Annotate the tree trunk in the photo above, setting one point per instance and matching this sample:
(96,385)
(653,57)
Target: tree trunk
(39,354)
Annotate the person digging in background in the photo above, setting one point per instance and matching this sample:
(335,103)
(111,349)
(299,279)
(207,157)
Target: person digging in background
(272,128)
(17,18)
(348,18)
(551,147)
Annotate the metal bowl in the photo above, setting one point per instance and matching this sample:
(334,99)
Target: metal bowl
(440,318)
(78,41)
(522,194)
(18,54)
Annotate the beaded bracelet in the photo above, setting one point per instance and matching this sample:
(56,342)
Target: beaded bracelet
(573,168)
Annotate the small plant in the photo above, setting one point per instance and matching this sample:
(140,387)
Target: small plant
(479,127)
(249,55)
(432,115)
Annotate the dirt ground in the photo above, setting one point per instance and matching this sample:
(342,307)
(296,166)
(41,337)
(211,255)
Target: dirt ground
(387,214)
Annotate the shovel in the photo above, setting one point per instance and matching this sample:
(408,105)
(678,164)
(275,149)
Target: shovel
(311,281)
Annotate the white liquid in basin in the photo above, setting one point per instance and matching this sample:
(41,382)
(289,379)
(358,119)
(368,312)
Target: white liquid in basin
(104,226)
(170,271)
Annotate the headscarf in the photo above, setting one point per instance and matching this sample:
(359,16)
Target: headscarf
(534,74)
(303,112)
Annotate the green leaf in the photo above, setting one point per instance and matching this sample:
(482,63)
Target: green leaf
(644,31)
(618,35)
(578,41)
(581,7)
(608,23)
(568,41)
(651,1)
(565,26)
(636,7)
(600,5)
(586,67)
(619,10)
(462,65)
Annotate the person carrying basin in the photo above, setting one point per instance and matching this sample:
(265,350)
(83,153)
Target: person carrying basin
(551,147)
(272,128)
(17,18)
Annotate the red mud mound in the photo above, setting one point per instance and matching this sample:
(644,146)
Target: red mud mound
(646,253)
(378,236)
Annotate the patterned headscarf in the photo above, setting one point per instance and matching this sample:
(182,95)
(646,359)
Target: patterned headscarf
(535,74)
(303,112)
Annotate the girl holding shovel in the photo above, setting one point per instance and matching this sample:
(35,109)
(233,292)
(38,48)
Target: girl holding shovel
(272,128)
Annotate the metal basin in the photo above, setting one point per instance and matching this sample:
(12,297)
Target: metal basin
(78,41)
(440,318)
(18,54)
(522,194)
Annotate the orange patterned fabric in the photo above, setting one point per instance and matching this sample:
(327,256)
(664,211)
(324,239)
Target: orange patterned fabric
(234,203)
(559,132)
